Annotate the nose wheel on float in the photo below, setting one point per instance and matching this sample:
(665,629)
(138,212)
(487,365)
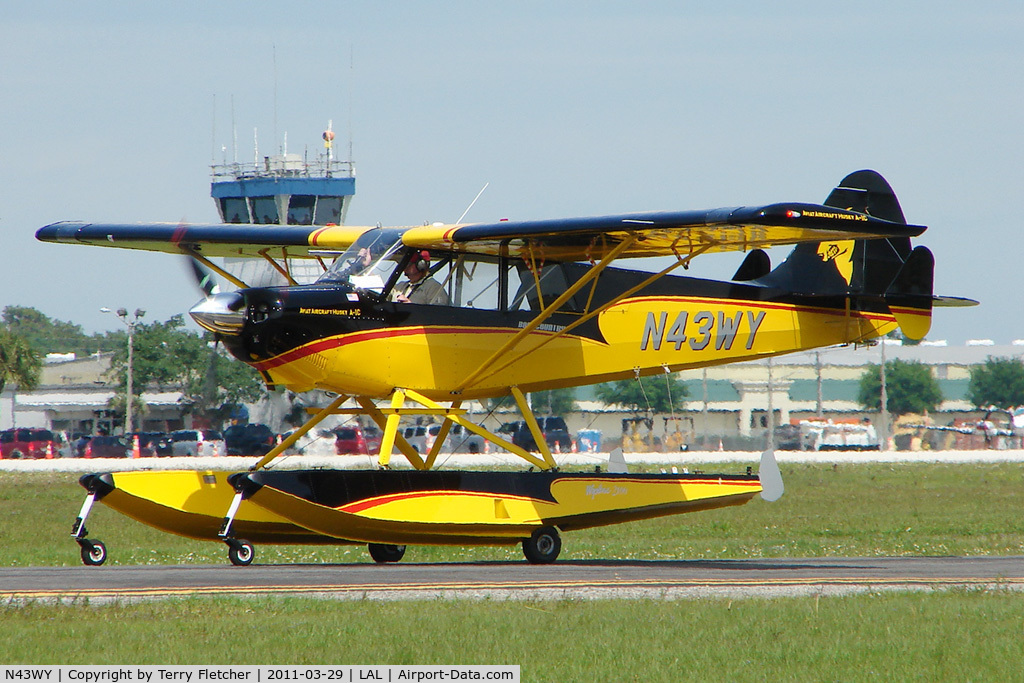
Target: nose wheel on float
(240,552)
(94,553)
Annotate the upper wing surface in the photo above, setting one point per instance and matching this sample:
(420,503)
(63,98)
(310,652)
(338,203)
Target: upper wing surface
(217,239)
(571,239)
(659,233)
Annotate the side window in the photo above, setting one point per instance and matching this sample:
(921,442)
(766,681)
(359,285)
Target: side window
(475,283)
(553,280)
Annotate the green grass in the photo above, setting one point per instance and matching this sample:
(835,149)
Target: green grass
(952,636)
(847,510)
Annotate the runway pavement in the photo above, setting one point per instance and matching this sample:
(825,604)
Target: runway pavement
(515,581)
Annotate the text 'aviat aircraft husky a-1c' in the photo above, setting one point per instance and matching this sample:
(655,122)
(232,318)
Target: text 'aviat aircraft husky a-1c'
(417,320)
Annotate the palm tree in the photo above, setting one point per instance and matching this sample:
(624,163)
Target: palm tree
(19,363)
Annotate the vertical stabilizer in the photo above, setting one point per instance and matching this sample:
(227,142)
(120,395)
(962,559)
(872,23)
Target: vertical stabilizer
(886,269)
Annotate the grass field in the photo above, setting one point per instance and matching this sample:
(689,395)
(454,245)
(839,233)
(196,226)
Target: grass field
(850,510)
(952,636)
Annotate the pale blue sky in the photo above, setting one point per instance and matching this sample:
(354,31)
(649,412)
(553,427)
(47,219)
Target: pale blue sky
(579,108)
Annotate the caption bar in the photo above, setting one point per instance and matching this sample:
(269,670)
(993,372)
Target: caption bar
(369,673)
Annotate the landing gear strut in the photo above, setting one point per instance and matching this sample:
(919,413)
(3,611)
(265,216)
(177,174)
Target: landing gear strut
(94,553)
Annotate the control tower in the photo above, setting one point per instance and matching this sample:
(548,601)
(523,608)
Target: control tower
(285,189)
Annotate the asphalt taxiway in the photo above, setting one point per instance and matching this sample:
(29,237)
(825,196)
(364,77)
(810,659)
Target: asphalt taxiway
(515,581)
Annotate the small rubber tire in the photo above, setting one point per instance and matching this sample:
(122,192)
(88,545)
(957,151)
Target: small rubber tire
(241,553)
(543,546)
(94,553)
(383,553)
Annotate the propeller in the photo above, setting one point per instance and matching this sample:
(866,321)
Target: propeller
(219,312)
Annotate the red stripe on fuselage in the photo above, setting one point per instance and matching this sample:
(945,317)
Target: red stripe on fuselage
(356,337)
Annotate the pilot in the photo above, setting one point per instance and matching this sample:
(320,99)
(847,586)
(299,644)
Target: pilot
(420,288)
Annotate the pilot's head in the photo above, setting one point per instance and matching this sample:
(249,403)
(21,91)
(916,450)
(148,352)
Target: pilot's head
(418,265)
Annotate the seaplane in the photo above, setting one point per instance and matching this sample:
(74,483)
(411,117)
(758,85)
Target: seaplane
(416,321)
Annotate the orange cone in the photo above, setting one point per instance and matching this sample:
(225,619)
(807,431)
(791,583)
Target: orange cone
(720,445)
(49,451)
(136,452)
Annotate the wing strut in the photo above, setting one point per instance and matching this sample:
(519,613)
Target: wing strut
(546,313)
(680,261)
(277,266)
(190,251)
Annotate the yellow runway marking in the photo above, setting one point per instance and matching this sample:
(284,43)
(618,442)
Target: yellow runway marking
(136,593)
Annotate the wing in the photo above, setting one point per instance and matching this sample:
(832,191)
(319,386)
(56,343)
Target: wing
(659,233)
(571,239)
(218,239)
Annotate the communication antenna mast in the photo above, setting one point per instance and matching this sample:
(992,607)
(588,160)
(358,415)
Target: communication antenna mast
(328,137)
(273,52)
(213,132)
(234,134)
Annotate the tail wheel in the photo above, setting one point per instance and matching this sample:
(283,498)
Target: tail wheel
(241,553)
(383,553)
(543,546)
(94,553)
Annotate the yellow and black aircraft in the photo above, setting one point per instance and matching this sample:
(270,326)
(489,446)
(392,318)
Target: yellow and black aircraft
(424,318)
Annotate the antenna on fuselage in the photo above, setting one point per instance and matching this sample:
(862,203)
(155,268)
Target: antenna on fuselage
(472,203)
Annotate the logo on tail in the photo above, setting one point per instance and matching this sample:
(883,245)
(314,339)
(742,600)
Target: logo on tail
(840,253)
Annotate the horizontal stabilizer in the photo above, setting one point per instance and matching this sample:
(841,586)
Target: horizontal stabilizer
(953,302)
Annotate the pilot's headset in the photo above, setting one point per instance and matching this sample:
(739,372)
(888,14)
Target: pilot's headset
(422,260)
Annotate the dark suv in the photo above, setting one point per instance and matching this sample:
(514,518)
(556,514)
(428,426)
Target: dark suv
(556,434)
(249,439)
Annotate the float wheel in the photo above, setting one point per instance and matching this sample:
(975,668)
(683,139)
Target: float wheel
(543,546)
(241,553)
(383,553)
(94,553)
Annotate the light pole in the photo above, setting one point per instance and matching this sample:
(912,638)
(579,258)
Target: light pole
(122,313)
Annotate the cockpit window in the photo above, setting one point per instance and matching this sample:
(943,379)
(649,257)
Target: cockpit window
(369,261)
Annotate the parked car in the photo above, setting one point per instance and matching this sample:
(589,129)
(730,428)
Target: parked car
(350,440)
(460,440)
(152,444)
(556,434)
(416,435)
(198,442)
(249,439)
(27,442)
(107,447)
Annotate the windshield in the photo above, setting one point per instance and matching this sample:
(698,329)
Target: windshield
(368,262)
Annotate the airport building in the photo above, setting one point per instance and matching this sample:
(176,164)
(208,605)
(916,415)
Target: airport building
(727,403)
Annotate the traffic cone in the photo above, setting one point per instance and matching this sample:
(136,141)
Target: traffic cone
(574,449)
(136,452)
(720,445)
(558,448)
(49,451)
